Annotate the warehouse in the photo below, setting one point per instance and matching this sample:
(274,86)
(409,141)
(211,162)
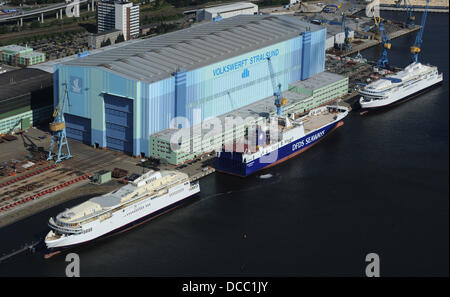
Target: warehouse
(26,98)
(122,96)
(226,11)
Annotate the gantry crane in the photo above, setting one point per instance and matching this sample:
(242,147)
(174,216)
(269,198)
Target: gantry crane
(415,49)
(279,102)
(58,131)
(383,62)
(347,44)
(410,18)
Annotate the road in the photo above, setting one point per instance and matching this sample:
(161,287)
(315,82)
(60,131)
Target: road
(7,17)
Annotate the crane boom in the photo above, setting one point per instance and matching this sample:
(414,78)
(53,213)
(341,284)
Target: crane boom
(386,44)
(415,49)
(279,102)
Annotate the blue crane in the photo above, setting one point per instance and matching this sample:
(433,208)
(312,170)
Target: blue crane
(383,62)
(279,102)
(410,19)
(415,49)
(58,131)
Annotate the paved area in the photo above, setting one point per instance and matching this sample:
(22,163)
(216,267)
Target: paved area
(86,160)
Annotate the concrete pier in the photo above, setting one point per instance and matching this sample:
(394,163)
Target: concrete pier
(366,43)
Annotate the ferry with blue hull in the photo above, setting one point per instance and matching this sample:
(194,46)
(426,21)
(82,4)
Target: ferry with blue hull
(294,136)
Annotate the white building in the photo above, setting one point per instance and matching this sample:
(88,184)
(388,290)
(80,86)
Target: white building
(226,11)
(120,15)
(336,36)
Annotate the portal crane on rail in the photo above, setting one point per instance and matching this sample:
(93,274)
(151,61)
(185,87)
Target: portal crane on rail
(58,131)
(410,17)
(415,49)
(383,62)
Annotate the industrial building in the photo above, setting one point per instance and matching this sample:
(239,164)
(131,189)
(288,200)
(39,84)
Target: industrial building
(26,98)
(123,95)
(301,96)
(226,11)
(17,55)
(336,36)
(95,40)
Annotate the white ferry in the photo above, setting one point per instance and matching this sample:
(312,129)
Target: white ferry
(414,79)
(150,195)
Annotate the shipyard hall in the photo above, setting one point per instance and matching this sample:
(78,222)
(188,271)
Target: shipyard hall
(121,96)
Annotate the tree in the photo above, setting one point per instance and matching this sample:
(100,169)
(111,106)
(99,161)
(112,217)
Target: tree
(35,24)
(120,38)
(105,43)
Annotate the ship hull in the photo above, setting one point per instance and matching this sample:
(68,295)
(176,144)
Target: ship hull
(401,97)
(116,224)
(284,153)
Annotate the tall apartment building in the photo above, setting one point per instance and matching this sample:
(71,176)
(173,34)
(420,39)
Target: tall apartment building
(118,15)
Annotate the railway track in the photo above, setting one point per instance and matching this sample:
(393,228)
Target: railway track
(36,184)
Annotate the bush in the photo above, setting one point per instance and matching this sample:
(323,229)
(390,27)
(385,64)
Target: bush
(120,38)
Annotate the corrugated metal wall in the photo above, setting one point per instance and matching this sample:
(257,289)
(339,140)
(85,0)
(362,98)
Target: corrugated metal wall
(215,91)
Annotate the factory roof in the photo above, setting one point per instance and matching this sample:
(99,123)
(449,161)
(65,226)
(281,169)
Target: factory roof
(49,65)
(231,7)
(32,54)
(318,81)
(262,108)
(159,57)
(14,48)
(22,81)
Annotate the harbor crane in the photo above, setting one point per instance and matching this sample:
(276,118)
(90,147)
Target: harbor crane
(410,18)
(279,102)
(347,44)
(383,62)
(58,131)
(415,49)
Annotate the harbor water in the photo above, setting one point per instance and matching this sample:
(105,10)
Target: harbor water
(378,184)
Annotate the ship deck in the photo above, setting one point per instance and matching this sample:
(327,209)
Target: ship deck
(313,122)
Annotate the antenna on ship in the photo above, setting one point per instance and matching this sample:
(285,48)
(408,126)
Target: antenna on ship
(142,164)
